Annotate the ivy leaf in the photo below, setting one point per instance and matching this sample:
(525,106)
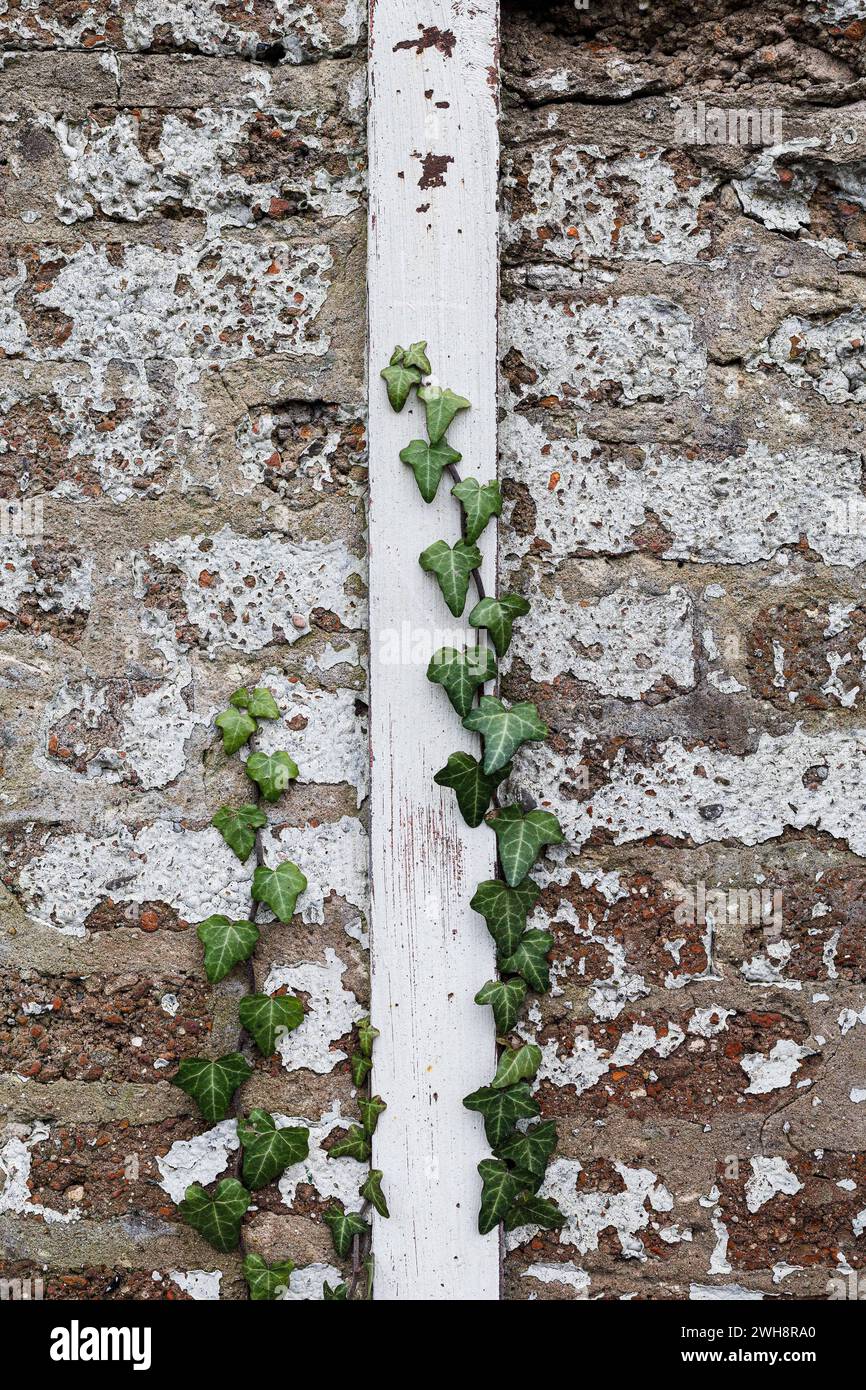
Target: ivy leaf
(370,1111)
(225,943)
(212,1084)
(238,828)
(441,407)
(219,1217)
(344,1225)
(505,910)
(280,888)
(356,1144)
(339,1292)
(266,1281)
(360,1067)
(460,673)
(497,616)
(505,998)
(452,566)
(272,771)
(268,1151)
(367,1035)
(428,462)
(371,1191)
(529,1182)
(517,1064)
(236,726)
(498,1195)
(502,1109)
(473,786)
(480,502)
(530,960)
(399,379)
(504,730)
(266,1017)
(520,838)
(531,1150)
(416,356)
(534,1211)
(262,704)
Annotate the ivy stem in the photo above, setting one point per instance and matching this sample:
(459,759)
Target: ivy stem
(237,1106)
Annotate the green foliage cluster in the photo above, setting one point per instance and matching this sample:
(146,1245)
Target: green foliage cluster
(521,1143)
(266,1150)
(350,1230)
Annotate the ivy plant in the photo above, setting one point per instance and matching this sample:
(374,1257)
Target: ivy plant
(265,1149)
(351,1230)
(512,1178)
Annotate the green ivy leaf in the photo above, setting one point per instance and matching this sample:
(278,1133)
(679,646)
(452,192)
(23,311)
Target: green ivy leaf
(497,616)
(529,1182)
(266,1281)
(499,1193)
(225,943)
(400,379)
(268,1151)
(238,828)
(530,960)
(339,1292)
(267,1016)
(452,566)
(360,1067)
(505,998)
(517,1064)
(473,786)
(534,1211)
(367,1035)
(344,1226)
(505,910)
(416,356)
(502,1109)
(262,704)
(355,1145)
(217,1218)
(480,502)
(428,462)
(212,1084)
(530,1150)
(272,771)
(521,837)
(370,1111)
(371,1191)
(280,888)
(460,673)
(504,730)
(236,726)
(441,407)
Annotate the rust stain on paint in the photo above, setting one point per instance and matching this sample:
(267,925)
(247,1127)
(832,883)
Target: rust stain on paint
(430,37)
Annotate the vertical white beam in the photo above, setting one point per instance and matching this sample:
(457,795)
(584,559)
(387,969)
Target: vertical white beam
(432,273)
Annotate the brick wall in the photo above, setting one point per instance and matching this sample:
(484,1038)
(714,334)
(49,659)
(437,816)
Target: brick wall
(181,385)
(682,354)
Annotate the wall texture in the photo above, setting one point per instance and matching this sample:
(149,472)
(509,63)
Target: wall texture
(181,381)
(683,388)
(682,400)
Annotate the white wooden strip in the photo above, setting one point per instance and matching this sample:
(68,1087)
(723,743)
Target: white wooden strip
(432,273)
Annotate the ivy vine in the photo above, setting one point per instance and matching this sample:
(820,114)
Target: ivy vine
(265,1150)
(521,1143)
